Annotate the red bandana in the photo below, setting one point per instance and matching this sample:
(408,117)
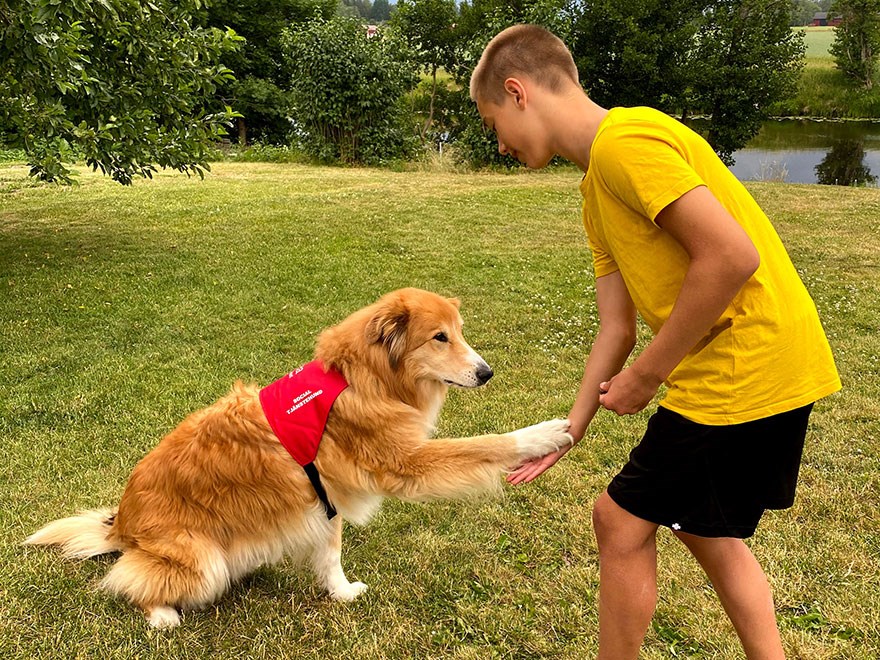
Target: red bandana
(297,407)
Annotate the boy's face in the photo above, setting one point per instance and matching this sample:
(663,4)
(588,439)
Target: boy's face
(516,127)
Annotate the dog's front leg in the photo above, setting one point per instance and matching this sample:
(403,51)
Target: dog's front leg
(327,563)
(452,468)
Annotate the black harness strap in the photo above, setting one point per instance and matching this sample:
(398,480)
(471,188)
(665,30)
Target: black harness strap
(315,478)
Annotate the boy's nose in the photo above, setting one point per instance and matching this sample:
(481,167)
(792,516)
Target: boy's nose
(502,148)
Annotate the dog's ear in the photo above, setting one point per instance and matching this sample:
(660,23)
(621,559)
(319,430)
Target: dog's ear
(388,327)
(455,302)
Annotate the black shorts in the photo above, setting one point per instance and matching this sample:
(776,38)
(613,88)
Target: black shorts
(712,481)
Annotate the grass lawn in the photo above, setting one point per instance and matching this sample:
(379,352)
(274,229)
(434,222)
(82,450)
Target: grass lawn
(123,309)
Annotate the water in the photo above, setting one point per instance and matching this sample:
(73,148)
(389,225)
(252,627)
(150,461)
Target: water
(807,151)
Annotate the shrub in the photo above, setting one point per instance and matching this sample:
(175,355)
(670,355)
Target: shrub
(10,155)
(348,90)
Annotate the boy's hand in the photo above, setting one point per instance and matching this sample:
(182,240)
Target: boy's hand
(533,468)
(628,392)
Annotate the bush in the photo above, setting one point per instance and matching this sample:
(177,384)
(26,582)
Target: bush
(444,119)
(348,92)
(10,155)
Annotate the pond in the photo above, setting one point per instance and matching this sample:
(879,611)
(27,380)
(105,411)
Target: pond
(808,151)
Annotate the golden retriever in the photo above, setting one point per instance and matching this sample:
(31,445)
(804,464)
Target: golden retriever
(220,496)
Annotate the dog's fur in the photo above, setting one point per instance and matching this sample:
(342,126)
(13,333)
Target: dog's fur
(219,496)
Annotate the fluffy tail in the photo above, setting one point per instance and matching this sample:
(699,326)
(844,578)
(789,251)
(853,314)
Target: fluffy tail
(81,536)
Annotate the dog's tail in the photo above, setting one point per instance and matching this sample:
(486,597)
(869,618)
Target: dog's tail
(81,536)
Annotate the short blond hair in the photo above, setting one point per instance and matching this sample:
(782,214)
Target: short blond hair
(529,50)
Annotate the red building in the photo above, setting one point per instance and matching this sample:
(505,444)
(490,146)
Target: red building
(821,18)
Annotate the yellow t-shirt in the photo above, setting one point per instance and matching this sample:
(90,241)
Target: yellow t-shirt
(767,353)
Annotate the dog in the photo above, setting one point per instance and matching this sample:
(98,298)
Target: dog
(222,495)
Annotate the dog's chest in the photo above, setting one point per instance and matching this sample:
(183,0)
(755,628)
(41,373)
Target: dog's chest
(432,413)
(361,509)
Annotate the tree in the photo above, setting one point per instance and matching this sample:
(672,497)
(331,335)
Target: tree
(348,90)
(380,11)
(345,8)
(729,59)
(802,11)
(637,52)
(480,20)
(124,84)
(746,58)
(428,27)
(844,165)
(258,91)
(359,8)
(856,47)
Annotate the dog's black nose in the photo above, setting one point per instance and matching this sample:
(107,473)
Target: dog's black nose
(484,373)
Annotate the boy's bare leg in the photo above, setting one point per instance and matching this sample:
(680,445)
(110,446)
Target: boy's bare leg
(627,578)
(743,590)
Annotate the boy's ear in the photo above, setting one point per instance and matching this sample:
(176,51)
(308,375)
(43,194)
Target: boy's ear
(515,88)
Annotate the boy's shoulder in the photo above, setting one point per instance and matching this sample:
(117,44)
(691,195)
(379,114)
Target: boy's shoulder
(637,120)
(622,134)
(640,134)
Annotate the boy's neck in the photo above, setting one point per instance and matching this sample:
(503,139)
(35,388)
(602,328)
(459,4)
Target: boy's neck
(575,121)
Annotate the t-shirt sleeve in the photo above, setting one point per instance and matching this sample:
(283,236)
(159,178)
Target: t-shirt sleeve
(642,164)
(603,263)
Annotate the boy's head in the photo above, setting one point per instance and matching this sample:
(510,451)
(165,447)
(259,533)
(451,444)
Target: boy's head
(521,68)
(522,50)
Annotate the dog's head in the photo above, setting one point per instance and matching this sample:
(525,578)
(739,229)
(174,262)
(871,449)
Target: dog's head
(422,333)
(419,335)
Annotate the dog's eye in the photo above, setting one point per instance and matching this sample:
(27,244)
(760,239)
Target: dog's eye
(441,336)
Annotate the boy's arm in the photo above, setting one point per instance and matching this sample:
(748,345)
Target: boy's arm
(613,344)
(722,259)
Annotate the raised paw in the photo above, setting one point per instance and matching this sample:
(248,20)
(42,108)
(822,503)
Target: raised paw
(541,439)
(348,592)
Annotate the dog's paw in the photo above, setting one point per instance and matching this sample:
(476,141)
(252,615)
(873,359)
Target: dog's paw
(163,618)
(348,592)
(543,438)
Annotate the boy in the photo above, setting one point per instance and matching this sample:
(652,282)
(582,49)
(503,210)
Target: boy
(737,339)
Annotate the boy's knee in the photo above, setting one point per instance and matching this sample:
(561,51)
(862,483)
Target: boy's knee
(604,518)
(618,531)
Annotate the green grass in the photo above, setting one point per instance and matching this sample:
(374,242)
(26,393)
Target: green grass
(123,309)
(823,91)
(818,41)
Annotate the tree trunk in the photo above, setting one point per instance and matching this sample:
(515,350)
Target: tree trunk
(242,132)
(431,107)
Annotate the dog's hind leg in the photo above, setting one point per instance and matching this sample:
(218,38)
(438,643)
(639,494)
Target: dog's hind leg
(326,560)
(189,577)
